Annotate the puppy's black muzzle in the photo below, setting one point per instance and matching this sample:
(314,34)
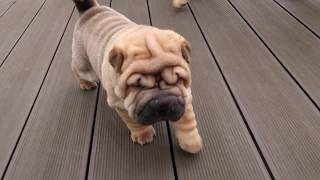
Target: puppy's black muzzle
(162,108)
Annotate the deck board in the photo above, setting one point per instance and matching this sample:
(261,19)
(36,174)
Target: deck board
(55,143)
(283,120)
(14,23)
(229,152)
(114,156)
(256,120)
(307,11)
(23,73)
(295,46)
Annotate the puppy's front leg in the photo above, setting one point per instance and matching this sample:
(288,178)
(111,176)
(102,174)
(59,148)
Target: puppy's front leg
(141,134)
(187,132)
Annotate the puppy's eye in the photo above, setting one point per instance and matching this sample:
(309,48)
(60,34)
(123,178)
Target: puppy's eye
(138,85)
(178,76)
(139,81)
(135,55)
(134,80)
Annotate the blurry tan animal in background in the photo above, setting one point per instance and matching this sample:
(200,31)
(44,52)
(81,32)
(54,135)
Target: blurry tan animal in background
(179,3)
(144,70)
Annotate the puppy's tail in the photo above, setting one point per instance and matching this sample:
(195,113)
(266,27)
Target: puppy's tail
(84,5)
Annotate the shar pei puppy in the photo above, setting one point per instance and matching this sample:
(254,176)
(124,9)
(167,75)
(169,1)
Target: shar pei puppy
(145,71)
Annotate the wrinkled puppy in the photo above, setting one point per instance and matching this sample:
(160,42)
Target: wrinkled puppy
(144,70)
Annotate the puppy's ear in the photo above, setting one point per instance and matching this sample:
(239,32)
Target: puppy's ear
(186,50)
(116,58)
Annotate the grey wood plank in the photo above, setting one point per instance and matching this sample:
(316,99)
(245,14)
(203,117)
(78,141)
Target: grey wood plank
(307,11)
(135,10)
(5,5)
(56,140)
(114,156)
(107,2)
(283,120)
(14,22)
(295,46)
(229,152)
(22,75)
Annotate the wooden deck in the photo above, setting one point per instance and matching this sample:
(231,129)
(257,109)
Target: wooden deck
(256,88)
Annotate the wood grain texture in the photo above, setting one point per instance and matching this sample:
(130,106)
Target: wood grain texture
(14,22)
(229,152)
(114,156)
(284,122)
(5,5)
(135,10)
(307,11)
(55,143)
(106,2)
(295,46)
(22,75)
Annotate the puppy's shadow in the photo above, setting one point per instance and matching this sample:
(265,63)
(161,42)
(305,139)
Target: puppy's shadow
(113,148)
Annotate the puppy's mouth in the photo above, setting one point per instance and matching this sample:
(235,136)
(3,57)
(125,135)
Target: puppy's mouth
(160,105)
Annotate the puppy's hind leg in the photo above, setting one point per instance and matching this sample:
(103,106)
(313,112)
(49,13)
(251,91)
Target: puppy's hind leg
(83,70)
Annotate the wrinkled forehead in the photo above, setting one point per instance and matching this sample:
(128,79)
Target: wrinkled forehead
(154,47)
(156,64)
(150,40)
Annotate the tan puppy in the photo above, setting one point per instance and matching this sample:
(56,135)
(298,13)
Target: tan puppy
(144,70)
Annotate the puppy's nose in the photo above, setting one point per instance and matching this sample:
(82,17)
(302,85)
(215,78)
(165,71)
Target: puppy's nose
(162,108)
(168,107)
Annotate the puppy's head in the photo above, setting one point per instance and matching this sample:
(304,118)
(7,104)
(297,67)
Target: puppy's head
(153,73)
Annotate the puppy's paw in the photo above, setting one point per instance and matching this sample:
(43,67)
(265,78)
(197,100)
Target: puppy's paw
(191,144)
(86,85)
(143,136)
(179,3)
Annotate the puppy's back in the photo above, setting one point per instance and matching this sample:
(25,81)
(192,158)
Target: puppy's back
(95,31)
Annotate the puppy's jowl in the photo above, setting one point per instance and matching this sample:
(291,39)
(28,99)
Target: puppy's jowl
(144,70)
